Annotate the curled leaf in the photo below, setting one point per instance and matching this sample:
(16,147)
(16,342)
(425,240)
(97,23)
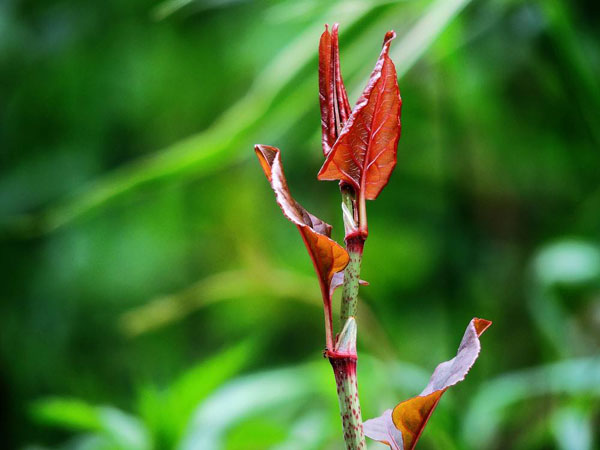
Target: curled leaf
(364,154)
(401,427)
(328,256)
(335,108)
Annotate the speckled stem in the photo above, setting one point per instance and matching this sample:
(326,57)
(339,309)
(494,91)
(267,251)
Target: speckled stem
(344,361)
(345,379)
(345,368)
(354,245)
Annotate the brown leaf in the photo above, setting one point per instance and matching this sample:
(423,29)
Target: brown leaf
(335,108)
(328,256)
(364,154)
(401,427)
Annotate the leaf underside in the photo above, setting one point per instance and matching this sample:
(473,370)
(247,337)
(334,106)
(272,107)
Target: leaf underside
(401,427)
(364,154)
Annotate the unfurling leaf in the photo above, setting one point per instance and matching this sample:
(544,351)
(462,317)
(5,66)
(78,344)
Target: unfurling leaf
(364,154)
(328,256)
(335,108)
(401,427)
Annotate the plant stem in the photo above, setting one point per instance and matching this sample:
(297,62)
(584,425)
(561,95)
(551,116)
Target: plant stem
(343,359)
(354,246)
(344,369)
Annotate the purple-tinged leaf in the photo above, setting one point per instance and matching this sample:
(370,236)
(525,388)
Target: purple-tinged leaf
(401,427)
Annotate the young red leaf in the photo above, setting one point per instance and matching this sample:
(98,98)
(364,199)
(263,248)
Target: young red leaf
(364,154)
(401,427)
(335,108)
(328,256)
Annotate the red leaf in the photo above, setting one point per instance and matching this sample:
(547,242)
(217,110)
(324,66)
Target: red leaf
(364,155)
(401,427)
(335,108)
(328,256)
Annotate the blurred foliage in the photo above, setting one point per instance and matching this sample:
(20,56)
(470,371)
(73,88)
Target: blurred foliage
(154,297)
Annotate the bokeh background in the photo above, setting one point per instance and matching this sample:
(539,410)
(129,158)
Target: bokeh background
(152,294)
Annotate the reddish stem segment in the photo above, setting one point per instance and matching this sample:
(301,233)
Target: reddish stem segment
(328,319)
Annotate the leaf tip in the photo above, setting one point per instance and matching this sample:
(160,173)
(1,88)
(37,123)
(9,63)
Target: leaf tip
(266,155)
(481,325)
(389,36)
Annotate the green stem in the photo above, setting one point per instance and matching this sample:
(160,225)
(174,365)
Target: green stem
(348,198)
(344,370)
(343,359)
(354,246)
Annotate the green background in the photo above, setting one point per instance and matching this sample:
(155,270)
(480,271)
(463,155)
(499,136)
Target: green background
(154,297)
